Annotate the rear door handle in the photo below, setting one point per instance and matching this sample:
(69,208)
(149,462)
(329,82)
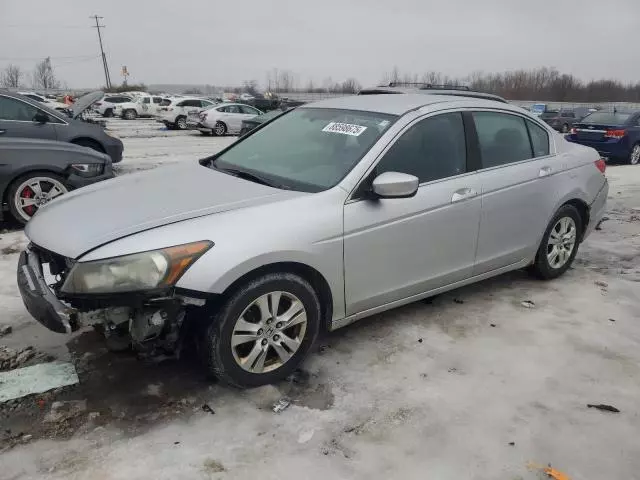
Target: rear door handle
(463,194)
(544,172)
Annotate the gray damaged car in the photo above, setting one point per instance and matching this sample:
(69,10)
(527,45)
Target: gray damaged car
(326,215)
(34,172)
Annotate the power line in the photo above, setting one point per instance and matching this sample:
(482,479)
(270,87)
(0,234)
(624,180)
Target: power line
(104,58)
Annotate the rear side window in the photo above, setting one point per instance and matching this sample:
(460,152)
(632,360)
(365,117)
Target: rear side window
(249,110)
(165,103)
(503,138)
(157,100)
(146,100)
(432,149)
(539,139)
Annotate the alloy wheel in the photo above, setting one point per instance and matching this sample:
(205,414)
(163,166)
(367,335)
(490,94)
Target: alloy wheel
(220,129)
(269,332)
(562,241)
(635,155)
(182,123)
(34,193)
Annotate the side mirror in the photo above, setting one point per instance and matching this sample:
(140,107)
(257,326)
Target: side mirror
(40,117)
(395,185)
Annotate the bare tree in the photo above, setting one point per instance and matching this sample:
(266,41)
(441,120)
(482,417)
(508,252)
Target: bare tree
(11,76)
(43,76)
(350,85)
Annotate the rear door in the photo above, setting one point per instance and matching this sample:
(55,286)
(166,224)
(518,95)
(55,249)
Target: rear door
(518,193)
(17,120)
(233,117)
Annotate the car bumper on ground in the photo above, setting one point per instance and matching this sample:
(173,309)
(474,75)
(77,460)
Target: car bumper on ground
(38,298)
(613,148)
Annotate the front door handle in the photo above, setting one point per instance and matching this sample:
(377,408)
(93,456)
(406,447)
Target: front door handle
(2,131)
(463,194)
(544,172)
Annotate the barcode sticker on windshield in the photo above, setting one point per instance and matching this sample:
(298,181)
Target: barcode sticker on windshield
(344,128)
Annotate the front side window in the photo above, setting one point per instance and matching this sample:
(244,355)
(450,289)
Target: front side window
(157,100)
(249,110)
(503,138)
(146,100)
(307,149)
(12,109)
(432,149)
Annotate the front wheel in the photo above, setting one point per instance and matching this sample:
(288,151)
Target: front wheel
(31,191)
(634,158)
(130,114)
(263,331)
(181,123)
(559,244)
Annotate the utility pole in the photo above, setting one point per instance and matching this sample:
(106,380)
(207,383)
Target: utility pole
(107,78)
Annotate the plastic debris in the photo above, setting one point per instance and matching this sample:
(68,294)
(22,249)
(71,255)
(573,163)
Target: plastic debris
(206,408)
(36,379)
(612,319)
(5,330)
(604,408)
(601,284)
(555,474)
(281,405)
(528,304)
(457,300)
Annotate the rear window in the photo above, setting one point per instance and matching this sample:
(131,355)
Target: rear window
(607,118)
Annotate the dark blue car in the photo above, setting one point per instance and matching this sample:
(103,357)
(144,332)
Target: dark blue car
(615,135)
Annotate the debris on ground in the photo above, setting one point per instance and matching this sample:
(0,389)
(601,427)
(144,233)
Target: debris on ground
(5,330)
(213,466)
(492,324)
(39,378)
(512,444)
(11,358)
(206,408)
(549,471)
(299,377)
(457,300)
(612,319)
(10,250)
(419,340)
(528,304)
(63,411)
(281,405)
(599,225)
(601,284)
(604,408)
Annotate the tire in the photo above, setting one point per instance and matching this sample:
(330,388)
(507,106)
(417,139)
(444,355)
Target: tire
(130,114)
(108,113)
(237,365)
(634,158)
(565,128)
(219,129)
(547,268)
(181,123)
(20,194)
(87,142)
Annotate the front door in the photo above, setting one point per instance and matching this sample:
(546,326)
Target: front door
(518,188)
(398,248)
(233,118)
(17,119)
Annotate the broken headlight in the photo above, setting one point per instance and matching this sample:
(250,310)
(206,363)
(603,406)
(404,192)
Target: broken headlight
(136,272)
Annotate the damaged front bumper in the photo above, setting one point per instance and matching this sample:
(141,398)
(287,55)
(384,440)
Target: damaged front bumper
(148,321)
(38,298)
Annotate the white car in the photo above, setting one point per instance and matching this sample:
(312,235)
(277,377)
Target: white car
(61,107)
(106,105)
(140,106)
(174,115)
(223,118)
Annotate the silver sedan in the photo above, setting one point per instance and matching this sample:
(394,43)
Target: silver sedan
(328,214)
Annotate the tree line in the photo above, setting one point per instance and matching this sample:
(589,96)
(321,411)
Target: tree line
(42,76)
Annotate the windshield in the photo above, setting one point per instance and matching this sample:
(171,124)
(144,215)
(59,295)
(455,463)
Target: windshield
(308,149)
(607,118)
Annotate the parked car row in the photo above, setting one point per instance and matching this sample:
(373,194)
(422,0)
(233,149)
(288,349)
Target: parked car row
(45,153)
(221,119)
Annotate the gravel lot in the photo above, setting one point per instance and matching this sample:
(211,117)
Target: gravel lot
(472,385)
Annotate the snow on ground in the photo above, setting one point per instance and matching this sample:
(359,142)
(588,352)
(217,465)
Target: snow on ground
(469,386)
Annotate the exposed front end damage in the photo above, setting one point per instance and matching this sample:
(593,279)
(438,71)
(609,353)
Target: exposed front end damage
(149,322)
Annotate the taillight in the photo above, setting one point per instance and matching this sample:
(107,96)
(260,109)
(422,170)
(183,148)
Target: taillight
(601,165)
(573,131)
(615,133)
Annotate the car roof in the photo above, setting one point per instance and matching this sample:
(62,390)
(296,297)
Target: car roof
(401,104)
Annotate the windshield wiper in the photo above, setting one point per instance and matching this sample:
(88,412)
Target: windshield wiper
(252,177)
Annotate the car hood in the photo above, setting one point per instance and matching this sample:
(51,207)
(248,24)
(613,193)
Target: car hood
(84,102)
(98,214)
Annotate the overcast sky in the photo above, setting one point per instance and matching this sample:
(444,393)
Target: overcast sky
(224,43)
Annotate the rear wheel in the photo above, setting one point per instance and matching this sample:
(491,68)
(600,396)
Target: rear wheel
(31,191)
(219,129)
(130,114)
(634,158)
(263,331)
(559,244)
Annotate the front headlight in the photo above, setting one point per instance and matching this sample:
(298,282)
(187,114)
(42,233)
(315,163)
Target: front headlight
(137,272)
(88,169)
